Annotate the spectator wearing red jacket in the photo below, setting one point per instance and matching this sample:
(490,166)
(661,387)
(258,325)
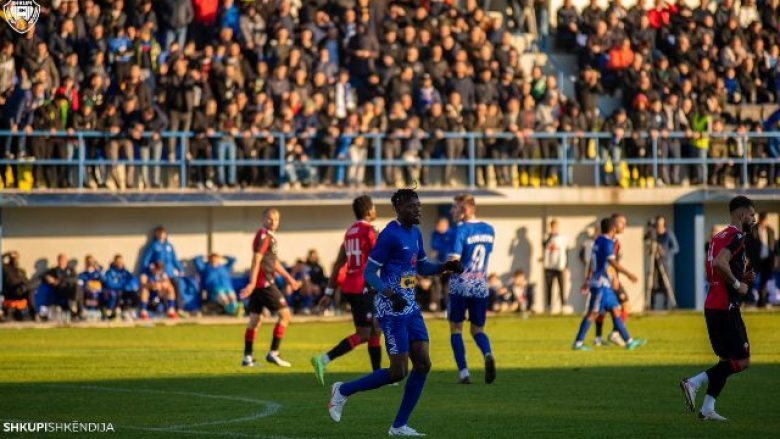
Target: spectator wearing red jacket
(661,15)
(621,56)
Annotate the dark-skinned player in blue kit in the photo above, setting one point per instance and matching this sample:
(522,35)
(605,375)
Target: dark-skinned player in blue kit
(392,269)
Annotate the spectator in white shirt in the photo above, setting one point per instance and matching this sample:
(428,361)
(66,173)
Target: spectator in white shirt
(555,263)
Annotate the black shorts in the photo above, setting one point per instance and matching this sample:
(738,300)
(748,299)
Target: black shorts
(267,297)
(362,306)
(728,334)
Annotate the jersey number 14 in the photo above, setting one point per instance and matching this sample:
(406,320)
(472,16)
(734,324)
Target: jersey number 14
(352,248)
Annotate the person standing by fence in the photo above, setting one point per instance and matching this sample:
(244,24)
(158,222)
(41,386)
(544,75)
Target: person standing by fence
(555,264)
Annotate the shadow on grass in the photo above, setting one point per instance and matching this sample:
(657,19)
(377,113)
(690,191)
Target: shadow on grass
(626,402)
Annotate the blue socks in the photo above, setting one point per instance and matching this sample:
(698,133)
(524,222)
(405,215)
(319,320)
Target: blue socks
(584,326)
(414,387)
(456,340)
(621,328)
(376,379)
(412,392)
(171,304)
(482,341)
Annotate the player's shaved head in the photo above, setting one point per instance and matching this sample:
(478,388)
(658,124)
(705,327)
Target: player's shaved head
(619,222)
(271,218)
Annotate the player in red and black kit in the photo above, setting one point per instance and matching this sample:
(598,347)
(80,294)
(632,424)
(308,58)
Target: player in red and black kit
(358,242)
(729,277)
(263,292)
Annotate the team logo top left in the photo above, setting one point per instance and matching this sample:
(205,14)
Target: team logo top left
(21,15)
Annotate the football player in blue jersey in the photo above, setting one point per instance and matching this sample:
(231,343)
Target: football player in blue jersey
(472,246)
(392,269)
(599,282)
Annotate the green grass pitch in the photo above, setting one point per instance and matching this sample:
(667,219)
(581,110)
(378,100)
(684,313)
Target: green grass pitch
(185,381)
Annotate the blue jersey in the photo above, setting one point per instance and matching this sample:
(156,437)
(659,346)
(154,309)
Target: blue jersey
(215,279)
(472,245)
(396,252)
(118,279)
(603,251)
(91,281)
(442,243)
(161,251)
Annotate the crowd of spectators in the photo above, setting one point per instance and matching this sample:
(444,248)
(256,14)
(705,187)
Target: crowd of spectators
(677,68)
(332,74)
(325,72)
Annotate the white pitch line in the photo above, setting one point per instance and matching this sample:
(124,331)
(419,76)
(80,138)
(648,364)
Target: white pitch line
(270,408)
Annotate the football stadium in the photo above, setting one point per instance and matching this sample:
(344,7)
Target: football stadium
(365,218)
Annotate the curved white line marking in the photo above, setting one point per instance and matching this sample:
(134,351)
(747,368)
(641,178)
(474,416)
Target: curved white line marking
(270,408)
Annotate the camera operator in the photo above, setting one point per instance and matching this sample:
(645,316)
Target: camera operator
(661,246)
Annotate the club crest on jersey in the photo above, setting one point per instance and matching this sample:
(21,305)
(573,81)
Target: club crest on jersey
(21,15)
(408,282)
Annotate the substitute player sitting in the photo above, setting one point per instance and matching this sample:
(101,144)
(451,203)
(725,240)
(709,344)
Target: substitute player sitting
(353,254)
(215,279)
(468,291)
(730,282)
(156,287)
(598,281)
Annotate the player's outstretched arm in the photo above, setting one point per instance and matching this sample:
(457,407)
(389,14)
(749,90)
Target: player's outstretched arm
(723,266)
(588,275)
(341,259)
(253,273)
(279,269)
(622,270)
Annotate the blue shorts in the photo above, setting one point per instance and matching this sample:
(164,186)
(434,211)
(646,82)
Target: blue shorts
(602,299)
(476,306)
(401,331)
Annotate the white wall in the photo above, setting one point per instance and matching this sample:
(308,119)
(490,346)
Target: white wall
(40,233)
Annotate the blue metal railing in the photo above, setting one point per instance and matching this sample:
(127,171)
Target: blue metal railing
(378,162)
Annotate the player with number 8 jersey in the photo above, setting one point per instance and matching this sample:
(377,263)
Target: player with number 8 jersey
(353,256)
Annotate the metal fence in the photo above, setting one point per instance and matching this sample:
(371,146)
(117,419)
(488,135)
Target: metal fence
(78,162)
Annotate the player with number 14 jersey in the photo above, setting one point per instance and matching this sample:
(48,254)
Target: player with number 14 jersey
(359,240)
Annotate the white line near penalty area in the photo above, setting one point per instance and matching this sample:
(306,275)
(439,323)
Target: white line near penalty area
(270,408)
